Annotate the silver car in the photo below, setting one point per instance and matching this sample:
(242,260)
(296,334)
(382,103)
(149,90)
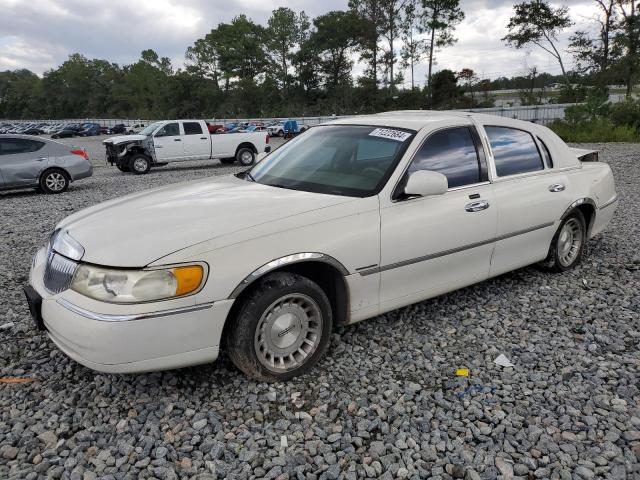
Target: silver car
(27,161)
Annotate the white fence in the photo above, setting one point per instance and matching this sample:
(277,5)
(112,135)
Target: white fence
(538,114)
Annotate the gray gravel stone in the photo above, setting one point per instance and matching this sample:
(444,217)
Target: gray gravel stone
(384,402)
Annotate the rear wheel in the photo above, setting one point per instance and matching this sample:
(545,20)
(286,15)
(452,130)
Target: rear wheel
(139,164)
(54,181)
(245,156)
(282,329)
(567,245)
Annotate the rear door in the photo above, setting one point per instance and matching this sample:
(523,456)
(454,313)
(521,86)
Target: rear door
(21,161)
(531,197)
(197,143)
(168,142)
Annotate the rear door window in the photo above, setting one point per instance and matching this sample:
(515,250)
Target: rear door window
(514,151)
(14,146)
(192,128)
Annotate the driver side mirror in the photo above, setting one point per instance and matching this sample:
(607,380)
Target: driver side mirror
(425,183)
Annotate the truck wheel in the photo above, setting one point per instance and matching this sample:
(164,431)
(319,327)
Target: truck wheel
(54,181)
(281,133)
(227,161)
(245,157)
(282,328)
(139,164)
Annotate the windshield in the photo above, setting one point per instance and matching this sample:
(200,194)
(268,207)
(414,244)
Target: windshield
(150,129)
(351,160)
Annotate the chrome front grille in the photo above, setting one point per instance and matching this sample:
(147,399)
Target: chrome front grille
(58,272)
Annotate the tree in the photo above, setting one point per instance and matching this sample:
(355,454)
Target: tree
(369,31)
(537,23)
(390,27)
(439,19)
(413,48)
(444,90)
(595,55)
(469,79)
(629,41)
(285,30)
(203,59)
(333,38)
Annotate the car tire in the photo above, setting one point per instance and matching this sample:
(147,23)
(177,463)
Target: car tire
(227,161)
(139,164)
(245,157)
(567,246)
(281,133)
(54,181)
(282,328)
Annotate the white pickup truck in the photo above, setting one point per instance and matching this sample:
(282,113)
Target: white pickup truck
(181,140)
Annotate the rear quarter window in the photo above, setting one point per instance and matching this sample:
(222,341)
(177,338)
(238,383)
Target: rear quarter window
(514,151)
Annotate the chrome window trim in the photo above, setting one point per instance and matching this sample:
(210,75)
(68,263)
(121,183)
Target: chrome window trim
(108,317)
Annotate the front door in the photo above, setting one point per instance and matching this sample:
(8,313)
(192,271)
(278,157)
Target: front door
(431,245)
(197,143)
(168,143)
(21,161)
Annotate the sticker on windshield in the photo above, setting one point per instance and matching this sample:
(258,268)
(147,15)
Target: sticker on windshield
(397,135)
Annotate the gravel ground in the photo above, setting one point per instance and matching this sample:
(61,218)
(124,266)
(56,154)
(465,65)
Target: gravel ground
(384,402)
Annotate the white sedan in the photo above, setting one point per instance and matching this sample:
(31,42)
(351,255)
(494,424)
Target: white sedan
(348,221)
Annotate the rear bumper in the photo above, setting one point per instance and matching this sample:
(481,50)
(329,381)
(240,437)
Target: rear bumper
(86,171)
(603,216)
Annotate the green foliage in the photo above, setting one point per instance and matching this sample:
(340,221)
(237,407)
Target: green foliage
(599,130)
(626,113)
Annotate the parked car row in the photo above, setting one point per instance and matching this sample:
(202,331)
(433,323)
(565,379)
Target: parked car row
(69,129)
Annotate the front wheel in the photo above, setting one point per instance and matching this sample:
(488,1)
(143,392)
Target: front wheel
(54,181)
(140,164)
(245,157)
(567,245)
(282,329)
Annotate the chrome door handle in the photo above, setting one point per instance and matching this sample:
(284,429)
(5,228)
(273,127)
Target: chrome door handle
(177,140)
(556,187)
(476,206)
(203,138)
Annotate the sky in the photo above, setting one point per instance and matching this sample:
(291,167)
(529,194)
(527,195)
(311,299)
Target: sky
(41,34)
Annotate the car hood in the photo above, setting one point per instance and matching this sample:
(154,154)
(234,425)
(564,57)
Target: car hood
(124,139)
(137,229)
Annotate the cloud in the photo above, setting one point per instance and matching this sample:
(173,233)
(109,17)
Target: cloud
(40,34)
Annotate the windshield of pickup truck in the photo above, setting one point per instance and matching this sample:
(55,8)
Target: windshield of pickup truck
(150,128)
(350,160)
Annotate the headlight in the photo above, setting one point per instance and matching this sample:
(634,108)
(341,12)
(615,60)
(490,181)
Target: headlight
(135,286)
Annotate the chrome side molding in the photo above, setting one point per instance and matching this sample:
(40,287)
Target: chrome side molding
(287,260)
(108,317)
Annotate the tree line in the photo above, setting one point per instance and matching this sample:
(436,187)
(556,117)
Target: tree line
(295,65)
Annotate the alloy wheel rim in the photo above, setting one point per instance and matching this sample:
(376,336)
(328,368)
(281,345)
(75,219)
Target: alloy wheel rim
(55,181)
(140,164)
(288,332)
(246,157)
(569,242)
